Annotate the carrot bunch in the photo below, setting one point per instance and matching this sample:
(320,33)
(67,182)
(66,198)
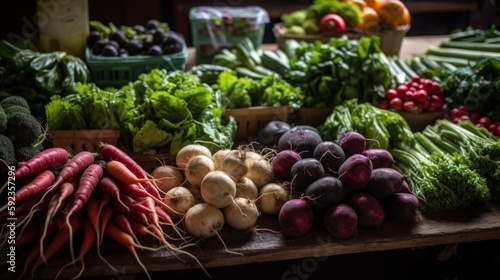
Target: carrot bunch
(87,196)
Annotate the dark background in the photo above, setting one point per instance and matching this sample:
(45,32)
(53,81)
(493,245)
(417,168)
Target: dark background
(428,17)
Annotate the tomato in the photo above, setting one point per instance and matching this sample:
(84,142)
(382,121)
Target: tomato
(332,24)
(391,94)
(396,104)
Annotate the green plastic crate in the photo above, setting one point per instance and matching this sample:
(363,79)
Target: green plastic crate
(119,71)
(215,28)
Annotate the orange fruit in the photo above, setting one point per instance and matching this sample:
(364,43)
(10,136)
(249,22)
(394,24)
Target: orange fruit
(361,4)
(394,13)
(375,4)
(369,19)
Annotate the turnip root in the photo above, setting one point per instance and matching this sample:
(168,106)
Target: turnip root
(271,198)
(234,164)
(168,177)
(341,221)
(352,143)
(203,220)
(218,156)
(324,192)
(403,207)
(302,141)
(379,157)
(189,151)
(369,210)
(196,169)
(384,182)
(355,172)
(179,199)
(282,164)
(242,213)
(246,188)
(218,189)
(330,155)
(307,170)
(260,169)
(295,217)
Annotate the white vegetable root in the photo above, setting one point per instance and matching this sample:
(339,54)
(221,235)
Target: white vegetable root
(203,220)
(179,199)
(168,177)
(218,189)
(242,213)
(272,197)
(189,151)
(196,169)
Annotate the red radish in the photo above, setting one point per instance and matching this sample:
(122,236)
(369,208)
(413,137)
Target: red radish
(41,183)
(403,207)
(383,104)
(484,121)
(44,160)
(307,170)
(379,157)
(421,96)
(405,187)
(330,155)
(352,143)
(88,182)
(409,106)
(301,140)
(396,104)
(401,90)
(463,110)
(355,172)
(295,217)
(112,152)
(282,164)
(324,192)
(370,212)
(474,117)
(391,94)
(384,182)
(341,221)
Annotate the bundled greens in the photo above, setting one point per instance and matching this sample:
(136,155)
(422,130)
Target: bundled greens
(386,127)
(340,69)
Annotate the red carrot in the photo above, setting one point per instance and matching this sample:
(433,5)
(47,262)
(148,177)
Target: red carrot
(106,214)
(88,182)
(46,159)
(137,217)
(88,239)
(124,224)
(41,183)
(112,152)
(28,236)
(115,233)
(139,228)
(121,172)
(135,205)
(110,186)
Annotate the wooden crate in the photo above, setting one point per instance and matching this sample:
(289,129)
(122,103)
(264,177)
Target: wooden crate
(313,116)
(250,120)
(419,122)
(76,141)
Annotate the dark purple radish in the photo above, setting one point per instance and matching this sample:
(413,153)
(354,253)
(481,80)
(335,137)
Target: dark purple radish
(370,212)
(352,143)
(379,157)
(341,221)
(355,172)
(324,192)
(405,188)
(272,131)
(306,127)
(403,207)
(384,182)
(295,217)
(282,164)
(302,141)
(307,170)
(330,155)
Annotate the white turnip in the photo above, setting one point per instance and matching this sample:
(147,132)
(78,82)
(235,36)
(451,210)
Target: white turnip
(203,220)
(189,151)
(218,156)
(234,164)
(168,177)
(246,188)
(218,189)
(355,172)
(295,217)
(272,197)
(242,213)
(282,164)
(370,212)
(260,169)
(197,168)
(179,199)
(341,221)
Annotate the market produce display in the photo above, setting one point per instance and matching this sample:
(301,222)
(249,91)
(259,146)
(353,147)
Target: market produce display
(363,166)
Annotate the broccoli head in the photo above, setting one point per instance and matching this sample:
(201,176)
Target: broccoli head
(14,100)
(24,153)
(23,129)
(17,108)
(7,153)
(3,120)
